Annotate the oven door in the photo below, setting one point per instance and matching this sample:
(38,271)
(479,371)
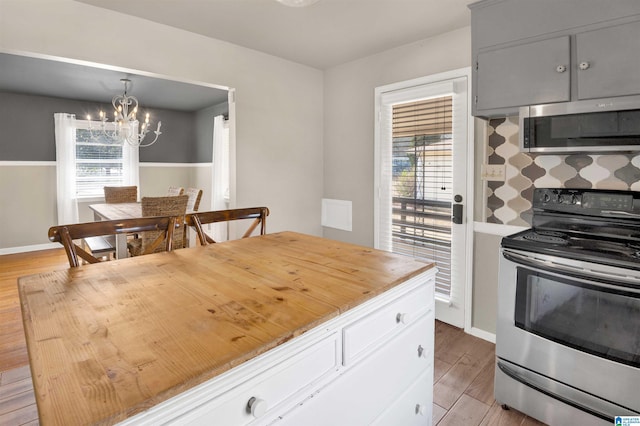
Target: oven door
(573,322)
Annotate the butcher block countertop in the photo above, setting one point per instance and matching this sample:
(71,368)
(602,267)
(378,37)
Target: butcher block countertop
(110,340)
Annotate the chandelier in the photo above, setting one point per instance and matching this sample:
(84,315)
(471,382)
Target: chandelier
(125,125)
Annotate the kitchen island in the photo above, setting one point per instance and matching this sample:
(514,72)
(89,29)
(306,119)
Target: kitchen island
(282,328)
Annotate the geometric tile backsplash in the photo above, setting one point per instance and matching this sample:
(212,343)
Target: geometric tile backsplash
(509,202)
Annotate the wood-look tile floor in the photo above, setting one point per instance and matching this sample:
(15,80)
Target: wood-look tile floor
(463,373)
(464,366)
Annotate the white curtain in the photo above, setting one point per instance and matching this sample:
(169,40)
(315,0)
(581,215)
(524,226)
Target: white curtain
(65,133)
(220,174)
(131,164)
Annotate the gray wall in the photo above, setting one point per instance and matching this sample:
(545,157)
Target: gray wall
(486,253)
(204,130)
(349,118)
(28,131)
(278,164)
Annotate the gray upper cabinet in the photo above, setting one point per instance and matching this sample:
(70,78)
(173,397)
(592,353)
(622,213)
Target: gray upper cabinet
(545,51)
(608,61)
(532,73)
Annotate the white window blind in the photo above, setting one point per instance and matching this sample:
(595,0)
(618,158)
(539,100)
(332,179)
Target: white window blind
(422,179)
(415,169)
(101,161)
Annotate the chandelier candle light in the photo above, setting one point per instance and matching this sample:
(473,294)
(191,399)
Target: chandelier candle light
(125,121)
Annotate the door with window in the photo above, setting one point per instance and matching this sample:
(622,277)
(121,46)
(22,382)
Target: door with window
(422,143)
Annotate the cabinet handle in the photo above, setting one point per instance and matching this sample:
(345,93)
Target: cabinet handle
(561,68)
(422,353)
(584,65)
(420,409)
(256,407)
(402,318)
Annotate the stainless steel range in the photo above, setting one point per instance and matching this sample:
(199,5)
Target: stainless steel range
(568,331)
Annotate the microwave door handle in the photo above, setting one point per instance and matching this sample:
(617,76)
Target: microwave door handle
(601,279)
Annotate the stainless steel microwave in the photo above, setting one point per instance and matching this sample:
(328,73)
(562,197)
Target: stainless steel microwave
(598,125)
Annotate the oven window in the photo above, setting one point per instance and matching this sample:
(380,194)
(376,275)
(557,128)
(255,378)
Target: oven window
(584,316)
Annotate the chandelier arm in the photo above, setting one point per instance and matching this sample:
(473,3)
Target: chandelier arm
(156,132)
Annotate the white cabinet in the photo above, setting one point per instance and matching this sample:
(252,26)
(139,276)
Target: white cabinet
(362,336)
(364,392)
(413,407)
(265,393)
(373,363)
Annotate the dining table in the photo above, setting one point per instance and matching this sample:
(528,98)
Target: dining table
(117,211)
(111,341)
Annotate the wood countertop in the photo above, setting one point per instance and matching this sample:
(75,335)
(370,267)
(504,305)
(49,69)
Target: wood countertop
(110,340)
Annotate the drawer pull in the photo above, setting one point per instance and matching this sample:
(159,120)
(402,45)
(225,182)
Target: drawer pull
(402,318)
(256,407)
(420,409)
(422,352)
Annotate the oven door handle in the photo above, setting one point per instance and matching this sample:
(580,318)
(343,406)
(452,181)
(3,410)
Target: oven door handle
(606,279)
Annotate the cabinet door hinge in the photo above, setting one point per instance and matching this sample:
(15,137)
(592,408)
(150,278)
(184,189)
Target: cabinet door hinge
(476,99)
(476,65)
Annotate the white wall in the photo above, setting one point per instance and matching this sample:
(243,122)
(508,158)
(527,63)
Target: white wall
(349,151)
(29,193)
(278,103)
(349,118)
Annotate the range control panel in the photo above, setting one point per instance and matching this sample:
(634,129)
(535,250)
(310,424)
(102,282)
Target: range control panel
(595,202)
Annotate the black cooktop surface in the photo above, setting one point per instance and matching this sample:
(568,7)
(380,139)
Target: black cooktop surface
(617,252)
(592,225)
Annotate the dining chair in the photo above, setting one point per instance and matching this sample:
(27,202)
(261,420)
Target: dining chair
(194,195)
(120,194)
(193,204)
(105,246)
(162,227)
(174,206)
(258,214)
(175,190)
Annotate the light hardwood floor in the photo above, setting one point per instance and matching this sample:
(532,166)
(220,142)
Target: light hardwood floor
(463,373)
(463,382)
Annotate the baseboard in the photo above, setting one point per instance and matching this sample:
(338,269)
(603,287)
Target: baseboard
(484,335)
(25,249)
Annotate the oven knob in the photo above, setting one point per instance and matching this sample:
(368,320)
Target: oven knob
(574,199)
(546,198)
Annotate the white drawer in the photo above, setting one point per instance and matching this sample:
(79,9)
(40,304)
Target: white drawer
(361,337)
(270,388)
(364,391)
(414,407)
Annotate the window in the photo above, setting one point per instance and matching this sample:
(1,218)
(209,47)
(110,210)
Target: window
(422,183)
(100,161)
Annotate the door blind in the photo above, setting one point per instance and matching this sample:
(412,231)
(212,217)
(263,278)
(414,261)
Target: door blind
(421,184)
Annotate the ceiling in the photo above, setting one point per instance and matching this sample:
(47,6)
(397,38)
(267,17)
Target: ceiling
(325,34)
(72,80)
